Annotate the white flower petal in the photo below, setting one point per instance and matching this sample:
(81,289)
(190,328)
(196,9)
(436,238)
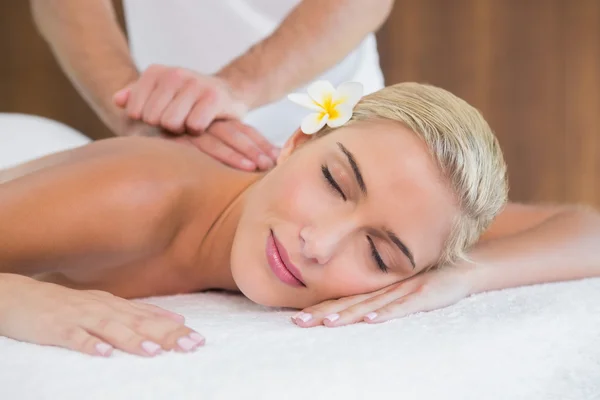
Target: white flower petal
(305,101)
(313,123)
(321,92)
(349,93)
(344,113)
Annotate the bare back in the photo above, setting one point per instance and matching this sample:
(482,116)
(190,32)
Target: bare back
(125,215)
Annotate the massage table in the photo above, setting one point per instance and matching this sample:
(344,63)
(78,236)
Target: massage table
(531,343)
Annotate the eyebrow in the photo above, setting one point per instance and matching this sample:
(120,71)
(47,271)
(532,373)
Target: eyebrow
(363,188)
(396,240)
(355,168)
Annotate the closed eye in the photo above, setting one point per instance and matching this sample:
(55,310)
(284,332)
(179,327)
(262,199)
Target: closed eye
(331,181)
(376,256)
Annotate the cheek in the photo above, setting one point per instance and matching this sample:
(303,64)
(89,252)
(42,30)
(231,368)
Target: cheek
(350,275)
(300,196)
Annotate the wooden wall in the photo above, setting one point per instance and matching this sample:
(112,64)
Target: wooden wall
(531,66)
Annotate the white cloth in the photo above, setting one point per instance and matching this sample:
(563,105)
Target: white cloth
(25,137)
(540,342)
(205,35)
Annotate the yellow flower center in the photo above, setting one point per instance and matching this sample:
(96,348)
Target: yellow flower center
(330,107)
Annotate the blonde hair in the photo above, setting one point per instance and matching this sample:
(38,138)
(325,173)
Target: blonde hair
(463,145)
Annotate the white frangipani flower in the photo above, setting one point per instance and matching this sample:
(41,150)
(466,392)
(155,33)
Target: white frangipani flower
(331,106)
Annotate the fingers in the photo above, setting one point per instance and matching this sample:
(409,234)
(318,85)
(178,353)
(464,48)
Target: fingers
(175,114)
(407,305)
(220,151)
(159,99)
(78,339)
(259,140)
(144,336)
(204,111)
(352,309)
(140,91)
(235,135)
(159,311)
(120,98)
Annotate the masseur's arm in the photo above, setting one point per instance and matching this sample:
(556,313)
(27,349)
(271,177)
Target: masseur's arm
(92,50)
(313,38)
(525,245)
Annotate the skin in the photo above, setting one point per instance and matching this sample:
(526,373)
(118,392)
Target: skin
(132,217)
(93,52)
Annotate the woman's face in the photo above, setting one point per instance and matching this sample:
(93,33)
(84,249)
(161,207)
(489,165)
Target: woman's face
(351,212)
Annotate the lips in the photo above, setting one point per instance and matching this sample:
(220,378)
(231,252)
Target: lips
(281,264)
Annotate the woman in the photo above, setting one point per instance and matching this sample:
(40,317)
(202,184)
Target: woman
(408,184)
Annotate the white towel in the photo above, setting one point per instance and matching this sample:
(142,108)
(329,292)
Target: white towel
(533,343)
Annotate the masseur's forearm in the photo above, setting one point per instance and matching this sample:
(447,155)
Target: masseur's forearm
(92,50)
(313,38)
(564,247)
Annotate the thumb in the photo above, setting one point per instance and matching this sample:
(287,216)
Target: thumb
(122,96)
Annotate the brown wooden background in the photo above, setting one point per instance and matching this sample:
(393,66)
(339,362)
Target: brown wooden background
(531,66)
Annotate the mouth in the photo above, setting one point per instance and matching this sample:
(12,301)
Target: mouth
(281,264)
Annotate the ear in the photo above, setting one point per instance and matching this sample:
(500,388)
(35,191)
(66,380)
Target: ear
(297,139)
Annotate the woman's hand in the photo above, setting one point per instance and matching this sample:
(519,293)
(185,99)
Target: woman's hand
(423,292)
(91,322)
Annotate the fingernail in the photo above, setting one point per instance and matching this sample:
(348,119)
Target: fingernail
(197,338)
(297,315)
(332,317)
(104,349)
(275,153)
(186,344)
(371,316)
(304,317)
(247,164)
(264,161)
(151,347)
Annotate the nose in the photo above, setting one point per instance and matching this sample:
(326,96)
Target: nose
(320,241)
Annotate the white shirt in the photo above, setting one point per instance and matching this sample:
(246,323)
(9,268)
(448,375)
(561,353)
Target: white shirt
(205,35)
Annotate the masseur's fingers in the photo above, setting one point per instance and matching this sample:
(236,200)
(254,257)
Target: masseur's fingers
(237,136)
(121,97)
(220,151)
(141,90)
(259,140)
(177,111)
(166,90)
(204,111)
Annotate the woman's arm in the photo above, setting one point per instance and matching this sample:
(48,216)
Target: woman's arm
(102,205)
(525,245)
(536,244)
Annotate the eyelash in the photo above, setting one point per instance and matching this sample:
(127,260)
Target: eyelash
(376,256)
(329,179)
(334,185)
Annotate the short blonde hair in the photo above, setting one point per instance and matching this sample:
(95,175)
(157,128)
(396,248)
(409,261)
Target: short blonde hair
(463,145)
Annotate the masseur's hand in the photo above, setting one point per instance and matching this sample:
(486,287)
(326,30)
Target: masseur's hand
(90,322)
(179,100)
(229,141)
(423,292)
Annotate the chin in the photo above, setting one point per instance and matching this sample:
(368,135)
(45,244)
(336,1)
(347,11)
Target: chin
(254,286)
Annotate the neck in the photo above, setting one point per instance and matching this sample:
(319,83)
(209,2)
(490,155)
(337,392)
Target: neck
(215,250)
